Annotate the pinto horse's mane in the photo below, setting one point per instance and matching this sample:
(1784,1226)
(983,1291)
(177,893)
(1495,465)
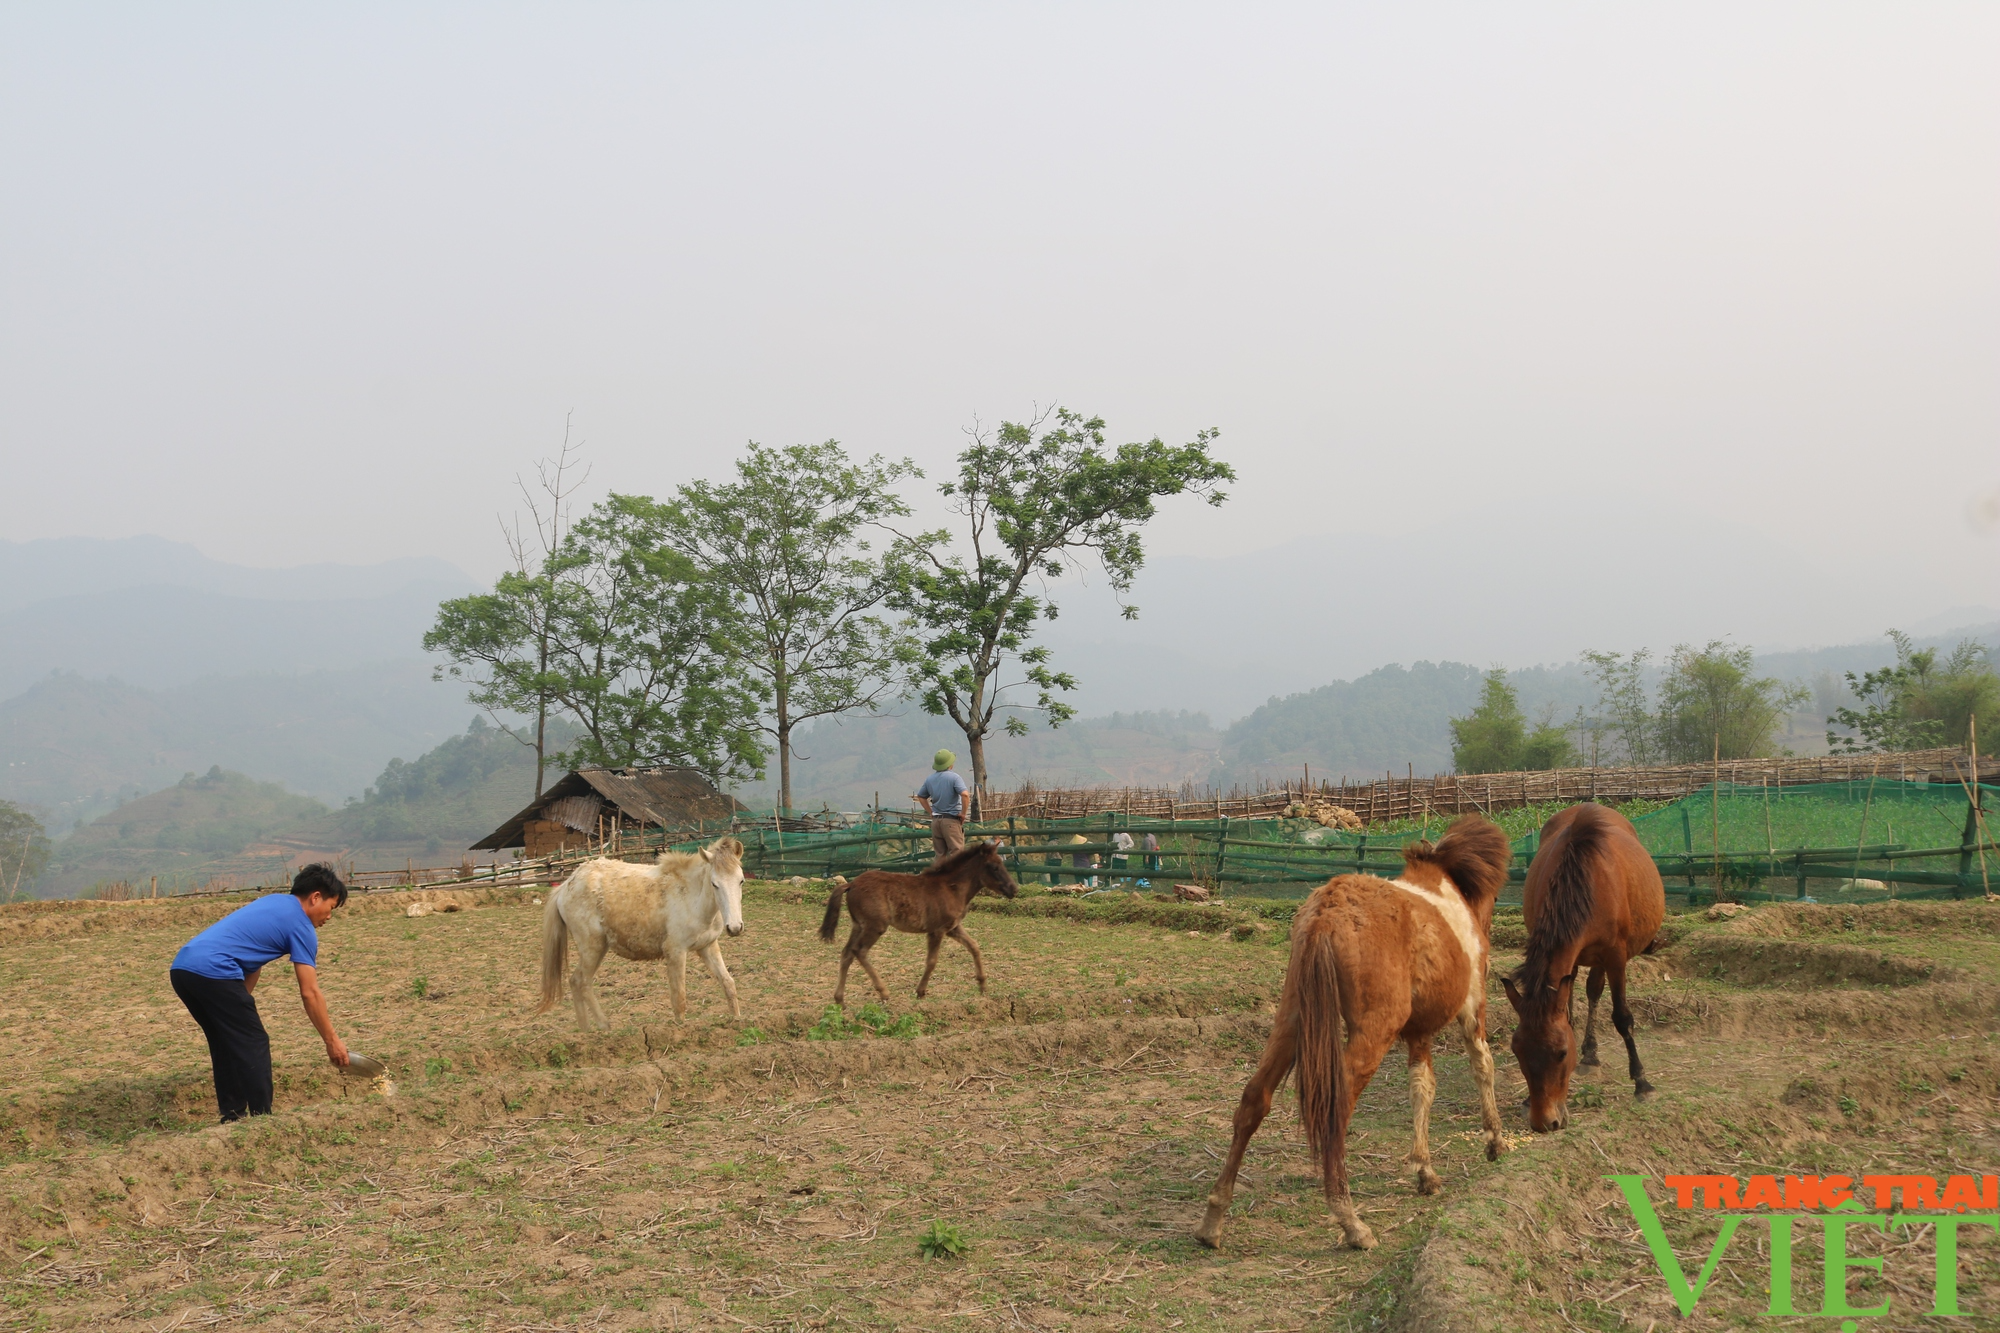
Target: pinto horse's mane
(1473,854)
(1571,900)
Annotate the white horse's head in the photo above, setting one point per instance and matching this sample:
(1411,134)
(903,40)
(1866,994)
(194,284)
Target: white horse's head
(725,873)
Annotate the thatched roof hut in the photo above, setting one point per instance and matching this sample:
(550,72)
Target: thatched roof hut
(588,803)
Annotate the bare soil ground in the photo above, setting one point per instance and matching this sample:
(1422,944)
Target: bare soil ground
(778,1173)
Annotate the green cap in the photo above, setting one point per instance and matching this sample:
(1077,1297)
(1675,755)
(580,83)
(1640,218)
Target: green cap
(941,761)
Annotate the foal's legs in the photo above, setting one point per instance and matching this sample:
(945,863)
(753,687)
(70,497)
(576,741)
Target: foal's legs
(1621,1016)
(711,953)
(1588,1056)
(1473,1026)
(590,947)
(936,942)
(859,941)
(978,964)
(1423,1088)
(1279,1053)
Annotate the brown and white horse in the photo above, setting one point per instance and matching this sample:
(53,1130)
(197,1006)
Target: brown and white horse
(1593,899)
(931,903)
(1390,960)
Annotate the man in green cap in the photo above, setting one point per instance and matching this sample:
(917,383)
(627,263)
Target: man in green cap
(942,796)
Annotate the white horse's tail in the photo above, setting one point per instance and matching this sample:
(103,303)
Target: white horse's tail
(555,950)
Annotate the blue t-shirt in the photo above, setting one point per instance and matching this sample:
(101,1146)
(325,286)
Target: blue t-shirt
(943,790)
(250,937)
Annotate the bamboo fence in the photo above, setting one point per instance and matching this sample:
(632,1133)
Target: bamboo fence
(1202,815)
(1390,797)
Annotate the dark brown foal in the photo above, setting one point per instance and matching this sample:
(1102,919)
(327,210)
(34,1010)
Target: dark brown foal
(932,903)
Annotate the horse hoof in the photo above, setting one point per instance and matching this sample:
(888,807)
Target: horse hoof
(1361,1238)
(1641,1090)
(1494,1147)
(1428,1181)
(1588,1058)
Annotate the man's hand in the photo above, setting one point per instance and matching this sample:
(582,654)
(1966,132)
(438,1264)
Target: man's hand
(336,1051)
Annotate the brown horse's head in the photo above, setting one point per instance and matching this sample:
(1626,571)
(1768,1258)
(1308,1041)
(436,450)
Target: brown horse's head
(1544,1044)
(991,872)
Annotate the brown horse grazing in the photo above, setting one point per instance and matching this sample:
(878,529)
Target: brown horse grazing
(931,903)
(1389,960)
(1593,899)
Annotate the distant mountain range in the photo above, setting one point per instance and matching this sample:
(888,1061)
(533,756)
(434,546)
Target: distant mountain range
(124,664)
(133,667)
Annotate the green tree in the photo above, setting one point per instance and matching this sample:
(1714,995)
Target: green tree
(1710,702)
(1548,745)
(1489,738)
(1624,710)
(499,642)
(1919,702)
(787,538)
(1495,738)
(1032,497)
(24,850)
(619,632)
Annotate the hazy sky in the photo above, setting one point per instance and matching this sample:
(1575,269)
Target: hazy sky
(1554,292)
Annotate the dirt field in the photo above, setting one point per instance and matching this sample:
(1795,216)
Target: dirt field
(778,1174)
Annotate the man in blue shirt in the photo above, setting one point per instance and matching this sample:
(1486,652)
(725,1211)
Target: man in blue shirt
(942,796)
(215,972)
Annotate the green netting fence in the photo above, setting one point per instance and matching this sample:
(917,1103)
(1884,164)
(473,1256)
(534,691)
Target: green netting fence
(1861,840)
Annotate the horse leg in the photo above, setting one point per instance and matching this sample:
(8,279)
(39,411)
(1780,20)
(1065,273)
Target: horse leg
(1621,1017)
(1473,1026)
(1279,1053)
(847,952)
(936,941)
(677,966)
(1364,1052)
(978,963)
(590,947)
(711,953)
(1588,1056)
(1423,1088)
(861,947)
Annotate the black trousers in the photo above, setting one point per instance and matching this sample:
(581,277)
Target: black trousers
(238,1047)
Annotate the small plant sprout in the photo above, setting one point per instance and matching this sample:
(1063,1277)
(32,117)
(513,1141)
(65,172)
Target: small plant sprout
(942,1241)
(420,987)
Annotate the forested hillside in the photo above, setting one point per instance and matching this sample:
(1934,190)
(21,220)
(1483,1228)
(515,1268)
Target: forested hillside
(215,823)
(1386,721)
(72,747)
(443,800)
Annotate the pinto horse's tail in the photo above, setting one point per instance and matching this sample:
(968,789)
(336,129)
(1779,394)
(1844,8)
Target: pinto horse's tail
(1322,1055)
(831,921)
(555,950)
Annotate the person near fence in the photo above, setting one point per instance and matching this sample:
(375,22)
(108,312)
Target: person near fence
(1121,859)
(216,972)
(1082,862)
(942,795)
(1150,844)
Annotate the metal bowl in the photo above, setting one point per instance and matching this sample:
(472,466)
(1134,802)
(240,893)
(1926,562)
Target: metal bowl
(362,1066)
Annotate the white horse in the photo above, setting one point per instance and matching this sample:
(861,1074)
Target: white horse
(684,903)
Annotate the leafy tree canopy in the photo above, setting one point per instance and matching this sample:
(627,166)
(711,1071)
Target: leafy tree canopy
(1032,497)
(1920,702)
(787,539)
(619,632)
(1495,738)
(1710,700)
